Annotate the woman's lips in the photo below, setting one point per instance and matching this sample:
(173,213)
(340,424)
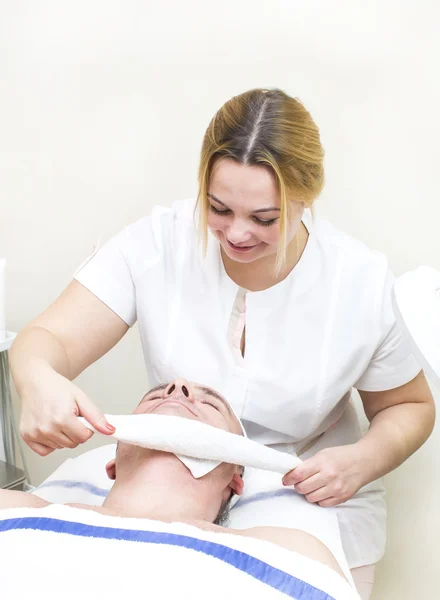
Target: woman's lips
(240,248)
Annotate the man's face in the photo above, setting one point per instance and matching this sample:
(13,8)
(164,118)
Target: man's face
(191,401)
(182,398)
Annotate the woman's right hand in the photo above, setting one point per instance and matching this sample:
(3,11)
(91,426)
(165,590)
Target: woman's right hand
(50,407)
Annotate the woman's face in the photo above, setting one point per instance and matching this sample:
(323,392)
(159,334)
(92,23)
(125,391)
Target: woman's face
(244,211)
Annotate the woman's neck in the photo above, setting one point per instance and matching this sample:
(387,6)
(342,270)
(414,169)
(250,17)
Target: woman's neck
(260,274)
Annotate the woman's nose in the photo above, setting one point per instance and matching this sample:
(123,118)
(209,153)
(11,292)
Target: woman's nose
(178,388)
(238,233)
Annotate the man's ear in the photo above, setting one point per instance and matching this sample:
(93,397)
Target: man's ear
(110,467)
(237,484)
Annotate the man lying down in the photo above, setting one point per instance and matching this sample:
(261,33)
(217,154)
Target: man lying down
(159,532)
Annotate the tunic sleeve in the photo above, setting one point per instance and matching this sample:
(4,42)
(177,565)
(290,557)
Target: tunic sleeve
(392,363)
(113,272)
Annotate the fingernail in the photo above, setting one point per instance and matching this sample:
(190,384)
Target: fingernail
(110,428)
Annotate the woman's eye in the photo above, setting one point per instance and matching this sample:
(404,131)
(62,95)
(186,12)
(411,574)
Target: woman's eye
(264,223)
(227,211)
(216,211)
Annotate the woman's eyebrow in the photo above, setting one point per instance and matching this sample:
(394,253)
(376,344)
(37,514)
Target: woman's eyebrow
(260,210)
(216,199)
(269,209)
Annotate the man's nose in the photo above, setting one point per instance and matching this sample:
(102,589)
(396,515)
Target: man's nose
(179,388)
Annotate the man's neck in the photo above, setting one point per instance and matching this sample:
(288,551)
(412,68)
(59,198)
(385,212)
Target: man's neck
(164,490)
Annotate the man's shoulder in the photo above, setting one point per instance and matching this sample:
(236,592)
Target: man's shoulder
(282,536)
(288,538)
(294,540)
(14,499)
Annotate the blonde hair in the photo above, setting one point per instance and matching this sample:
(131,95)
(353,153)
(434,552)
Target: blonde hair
(265,128)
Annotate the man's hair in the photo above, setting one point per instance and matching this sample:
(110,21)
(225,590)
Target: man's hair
(222,519)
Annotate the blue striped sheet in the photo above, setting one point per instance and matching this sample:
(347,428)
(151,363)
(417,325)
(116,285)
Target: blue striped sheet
(97,491)
(254,567)
(69,484)
(264,496)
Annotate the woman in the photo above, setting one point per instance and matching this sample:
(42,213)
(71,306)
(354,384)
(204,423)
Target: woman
(280,312)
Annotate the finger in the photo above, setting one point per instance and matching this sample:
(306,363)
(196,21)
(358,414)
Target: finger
(40,449)
(93,415)
(303,471)
(37,437)
(77,432)
(319,495)
(65,441)
(328,502)
(311,484)
(49,440)
(53,439)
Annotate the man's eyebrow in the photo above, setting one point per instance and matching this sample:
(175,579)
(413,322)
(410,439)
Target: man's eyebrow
(213,393)
(158,388)
(260,210)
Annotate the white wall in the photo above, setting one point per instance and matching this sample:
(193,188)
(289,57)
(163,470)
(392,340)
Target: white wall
(103,105)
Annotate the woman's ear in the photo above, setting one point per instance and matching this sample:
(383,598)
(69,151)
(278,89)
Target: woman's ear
(237,484)
(110,467)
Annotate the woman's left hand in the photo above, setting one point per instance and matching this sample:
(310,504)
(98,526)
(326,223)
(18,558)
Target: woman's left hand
(332,476)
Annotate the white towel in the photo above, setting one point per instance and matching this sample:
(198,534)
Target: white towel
(264,502)
(189,438)
(69,553)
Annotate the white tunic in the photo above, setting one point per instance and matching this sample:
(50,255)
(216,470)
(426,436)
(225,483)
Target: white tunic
(328,327)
